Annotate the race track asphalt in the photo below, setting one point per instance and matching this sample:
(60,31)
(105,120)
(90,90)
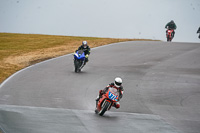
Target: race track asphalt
(161,91)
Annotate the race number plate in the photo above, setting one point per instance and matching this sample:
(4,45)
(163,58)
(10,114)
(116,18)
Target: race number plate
(112,96)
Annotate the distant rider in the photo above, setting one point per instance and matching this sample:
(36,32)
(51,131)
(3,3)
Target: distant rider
(117,85)
(86,50)
(171,26)
(198,31)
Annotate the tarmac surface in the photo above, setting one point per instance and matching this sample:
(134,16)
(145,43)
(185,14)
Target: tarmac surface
(161,91)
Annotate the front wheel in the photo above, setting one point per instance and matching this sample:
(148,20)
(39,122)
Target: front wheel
(104,107)
(169,39)
(76,65)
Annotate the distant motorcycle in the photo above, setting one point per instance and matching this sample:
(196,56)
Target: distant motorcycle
(107,100)
(79,60)
(169,35)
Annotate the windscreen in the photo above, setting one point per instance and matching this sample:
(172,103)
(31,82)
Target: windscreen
(114,91)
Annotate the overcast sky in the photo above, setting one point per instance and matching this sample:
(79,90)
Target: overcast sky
(102,18)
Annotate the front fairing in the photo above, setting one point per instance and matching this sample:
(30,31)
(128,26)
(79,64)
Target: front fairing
(170,31)
(113,94)
(80,55)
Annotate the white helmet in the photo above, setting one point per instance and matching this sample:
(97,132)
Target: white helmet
(118,82)
(84,43)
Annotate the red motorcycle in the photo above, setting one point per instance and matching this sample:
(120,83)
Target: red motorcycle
(107,100)
(169,35)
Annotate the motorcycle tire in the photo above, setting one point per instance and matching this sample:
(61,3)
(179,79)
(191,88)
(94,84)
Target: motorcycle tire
(168,39)
(104,108)
(76,65)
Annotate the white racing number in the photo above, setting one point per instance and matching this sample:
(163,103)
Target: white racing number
(111,96)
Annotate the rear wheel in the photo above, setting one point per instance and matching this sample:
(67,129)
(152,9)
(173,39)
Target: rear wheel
(104,107)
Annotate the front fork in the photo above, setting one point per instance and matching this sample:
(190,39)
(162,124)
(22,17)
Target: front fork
(82,64)
(103,104)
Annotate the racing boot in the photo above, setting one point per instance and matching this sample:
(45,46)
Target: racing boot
(97,99)
(117,105)
(100,95)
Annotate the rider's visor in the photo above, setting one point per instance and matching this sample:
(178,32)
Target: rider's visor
(117,83)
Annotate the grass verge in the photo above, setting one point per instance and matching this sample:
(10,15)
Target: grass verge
(18,51)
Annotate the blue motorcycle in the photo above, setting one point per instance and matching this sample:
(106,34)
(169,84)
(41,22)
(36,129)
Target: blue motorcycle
(79,60)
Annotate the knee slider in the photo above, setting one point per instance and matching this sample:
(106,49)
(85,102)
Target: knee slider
(117,105)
